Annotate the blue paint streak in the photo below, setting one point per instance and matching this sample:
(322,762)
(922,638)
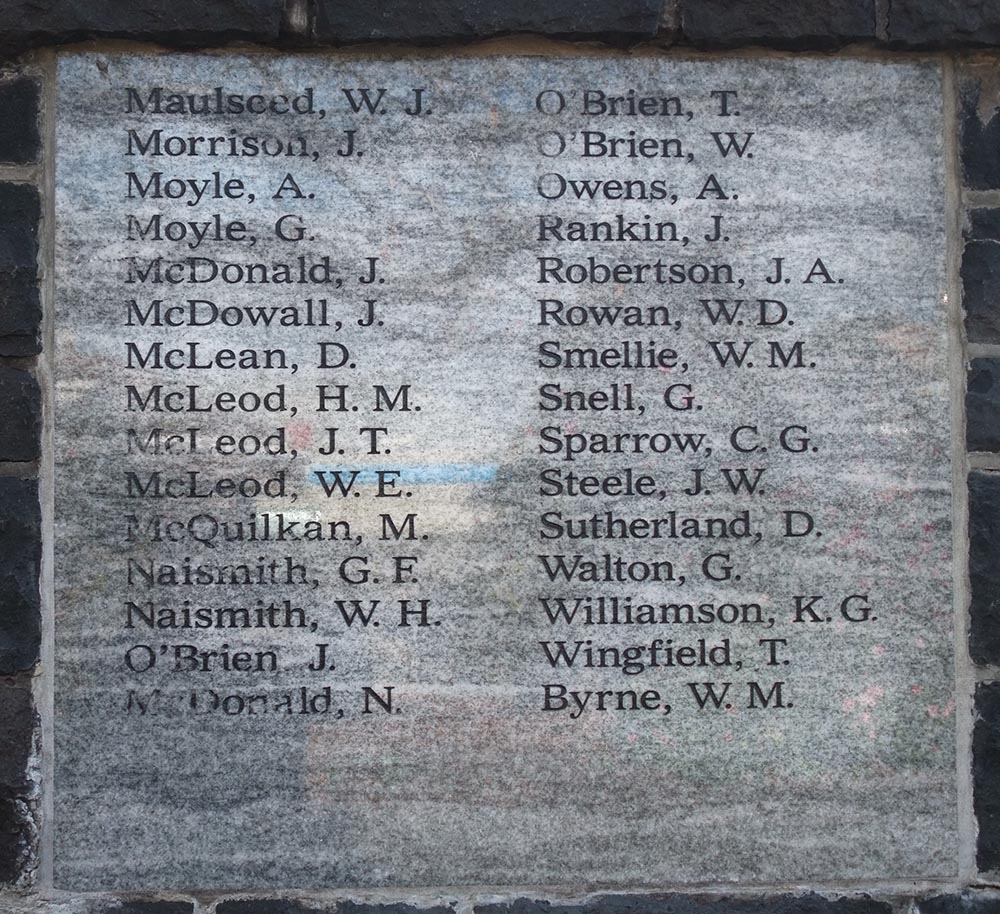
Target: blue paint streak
(432,474)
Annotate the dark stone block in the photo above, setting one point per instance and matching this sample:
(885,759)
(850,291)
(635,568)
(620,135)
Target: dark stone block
(19,214)
(19,622)
(28,23)
(20,313)
(971,901)
(17,726)
(267,906)
(294,906)
(982,405)
(439,20)
(984,224)
(19,137)
(984,565)
(777,23)
(695,904)
(980,137)
(353,907)
(21,548)
(20,310)
(20,415)
(981,277)
(986,774)
(944,23)
(17,835)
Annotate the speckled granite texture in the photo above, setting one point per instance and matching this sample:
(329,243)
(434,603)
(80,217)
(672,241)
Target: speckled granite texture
(472,782)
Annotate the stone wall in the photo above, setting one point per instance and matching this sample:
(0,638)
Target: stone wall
(962,34)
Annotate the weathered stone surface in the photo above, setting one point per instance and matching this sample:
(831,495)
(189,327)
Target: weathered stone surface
(777,23)
(28,899)
(28,23)
(20,414)
(809,903)
(980,131)
(20,311)
(986,775)
(19,137)
(944,23)
(140,906)
(21,546)
(436,20)
(982,405)
(971,901)
(474,782)
(981,276)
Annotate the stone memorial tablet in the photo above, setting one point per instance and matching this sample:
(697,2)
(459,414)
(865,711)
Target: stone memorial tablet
(501,471)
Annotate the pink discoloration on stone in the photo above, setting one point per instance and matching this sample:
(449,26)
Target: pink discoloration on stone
(943,712)
(300,434)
